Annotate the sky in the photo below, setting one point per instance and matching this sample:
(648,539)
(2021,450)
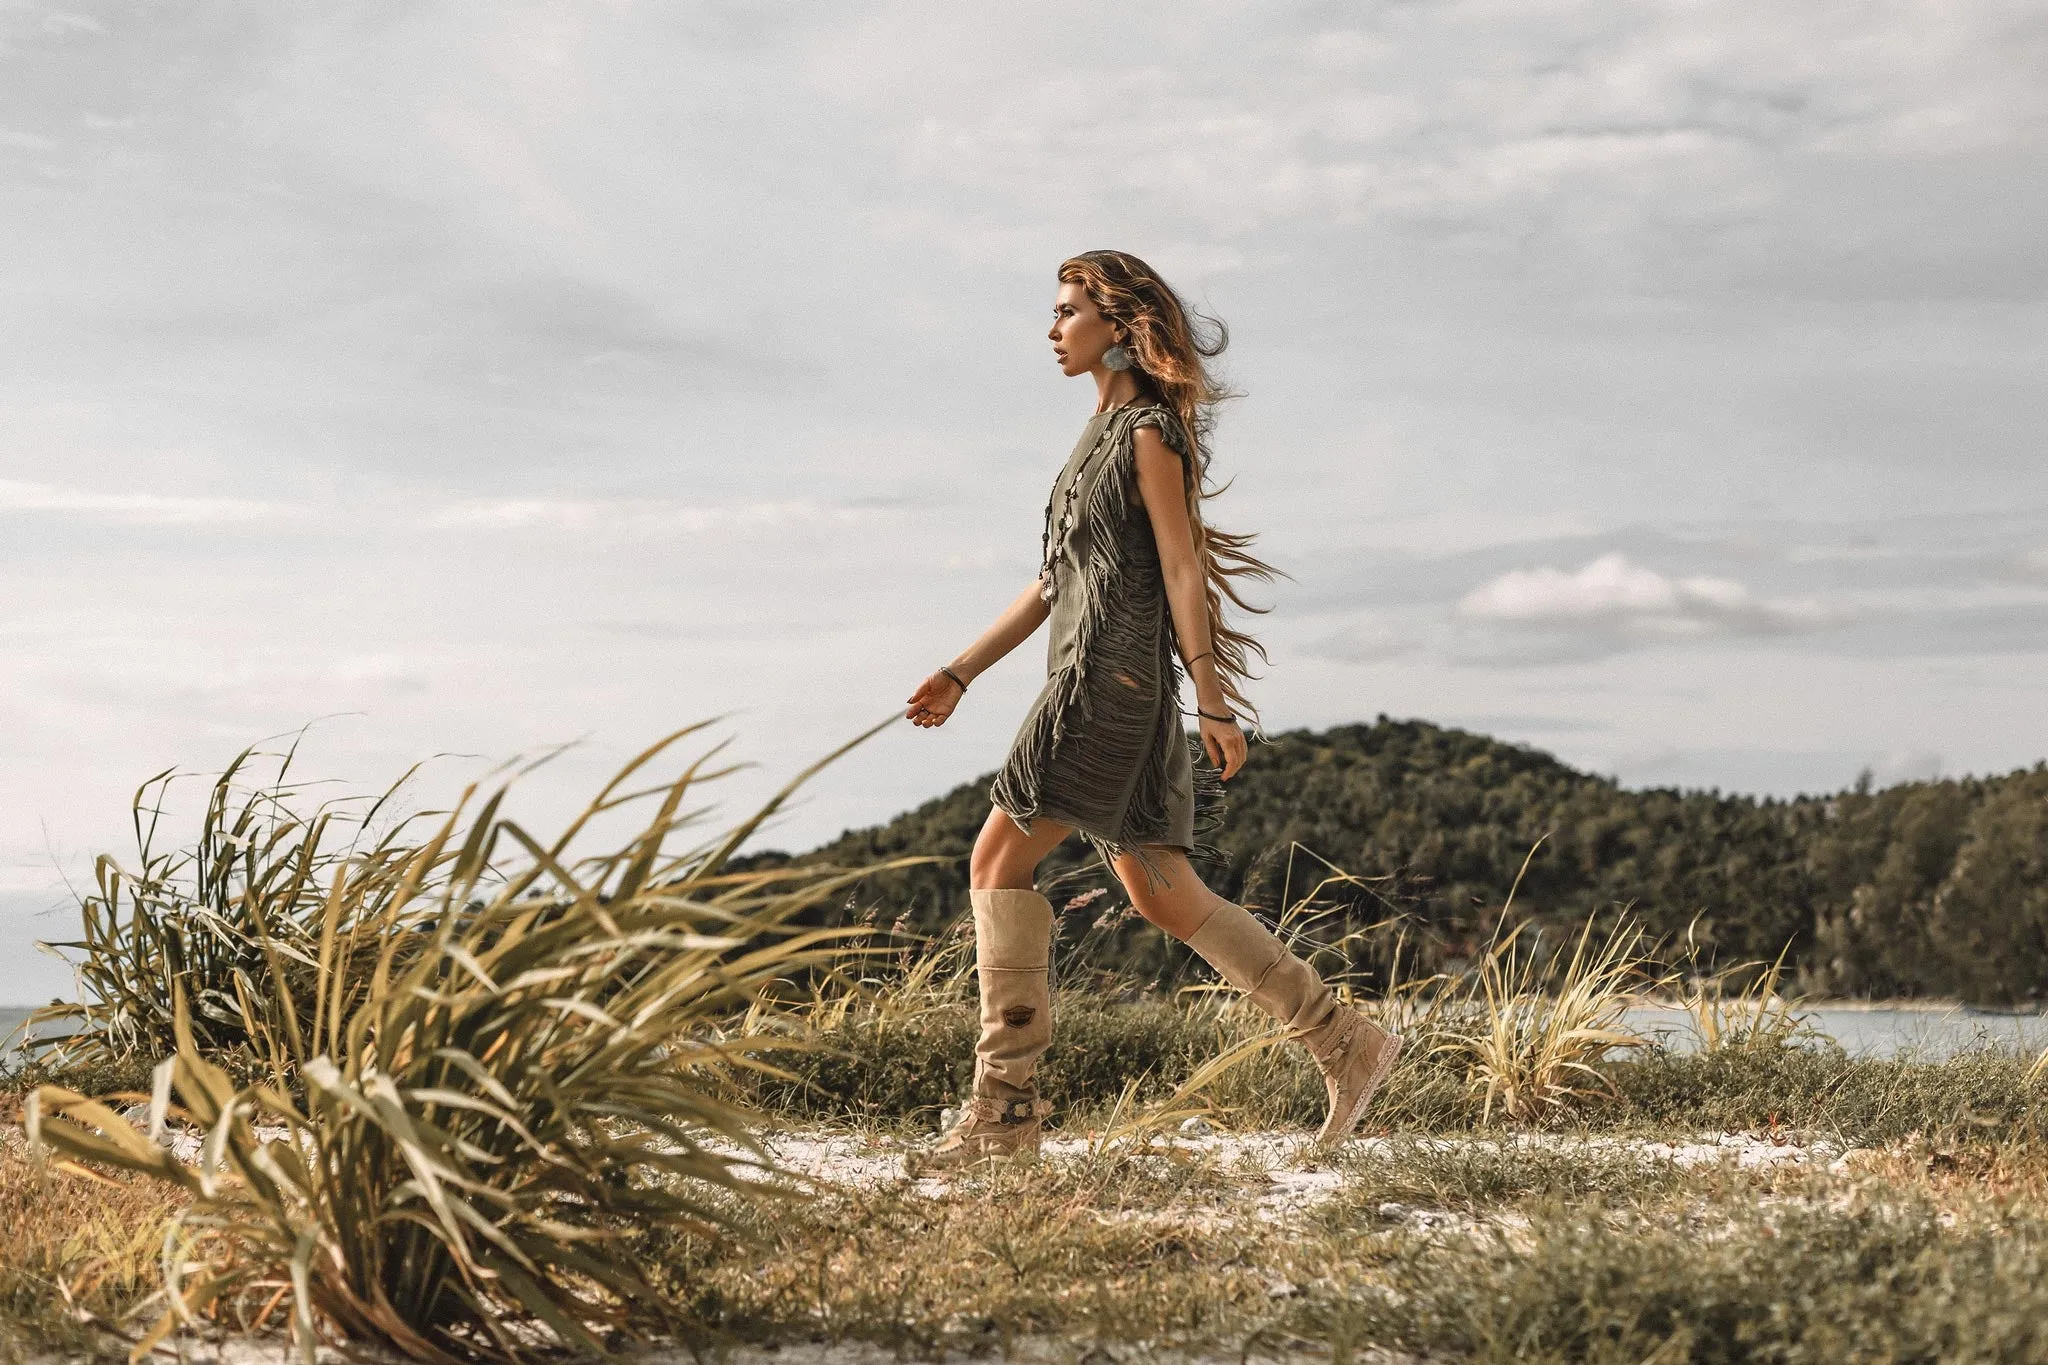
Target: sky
(1658,384)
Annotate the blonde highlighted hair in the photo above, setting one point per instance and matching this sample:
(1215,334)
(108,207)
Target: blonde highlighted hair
(1172,344)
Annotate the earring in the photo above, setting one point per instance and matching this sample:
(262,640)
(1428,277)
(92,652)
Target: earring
(1118,357)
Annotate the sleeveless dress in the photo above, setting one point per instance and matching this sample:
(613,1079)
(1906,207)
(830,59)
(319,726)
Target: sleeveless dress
(1104,748)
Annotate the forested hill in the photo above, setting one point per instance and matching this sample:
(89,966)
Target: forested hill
(1931,888)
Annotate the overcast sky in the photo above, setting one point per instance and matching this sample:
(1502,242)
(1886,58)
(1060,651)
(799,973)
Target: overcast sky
(1660,384)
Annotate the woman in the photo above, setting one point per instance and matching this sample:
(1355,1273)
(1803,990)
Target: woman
(1133,582)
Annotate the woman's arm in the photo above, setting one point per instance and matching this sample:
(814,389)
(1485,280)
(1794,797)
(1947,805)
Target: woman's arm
(1162,484)
(937,695)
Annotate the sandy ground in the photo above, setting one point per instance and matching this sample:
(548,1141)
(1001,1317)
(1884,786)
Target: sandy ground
(1022,1350)
(1282,1171)
(1296,1176)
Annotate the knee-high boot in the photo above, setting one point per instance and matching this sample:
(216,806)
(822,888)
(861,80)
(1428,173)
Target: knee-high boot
(1353,1053)
(1013,961)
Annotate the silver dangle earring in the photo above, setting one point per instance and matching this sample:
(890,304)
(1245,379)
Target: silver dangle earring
(1118,357)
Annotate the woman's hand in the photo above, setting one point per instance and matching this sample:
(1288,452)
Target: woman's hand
(935,699)
(1223,741)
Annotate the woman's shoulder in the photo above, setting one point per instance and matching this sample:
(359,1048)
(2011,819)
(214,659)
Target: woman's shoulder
(1161,418)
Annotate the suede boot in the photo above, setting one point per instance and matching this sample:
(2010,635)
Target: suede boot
(1013,961)
(1353,1053)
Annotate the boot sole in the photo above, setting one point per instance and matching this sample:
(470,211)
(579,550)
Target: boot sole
(1392,1054)
(918,1166)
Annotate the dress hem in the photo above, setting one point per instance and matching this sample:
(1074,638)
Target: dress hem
(1101,841)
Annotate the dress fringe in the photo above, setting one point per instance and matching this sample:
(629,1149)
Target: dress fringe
(1097,751)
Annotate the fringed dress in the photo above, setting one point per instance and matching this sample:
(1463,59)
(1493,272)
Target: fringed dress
(1104,748)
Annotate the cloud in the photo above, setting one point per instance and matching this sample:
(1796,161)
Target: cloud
(61,21)
(1365,642)
(1433,114)
(136,508)
(1613,593)
(636,514)
(389,673)
(1912,765)
(1513,723)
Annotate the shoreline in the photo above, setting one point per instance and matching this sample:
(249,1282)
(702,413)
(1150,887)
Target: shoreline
(1909,1005)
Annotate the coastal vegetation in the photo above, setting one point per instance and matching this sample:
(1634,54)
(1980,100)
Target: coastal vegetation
(1936,888)
(443,1077)
(437,1084)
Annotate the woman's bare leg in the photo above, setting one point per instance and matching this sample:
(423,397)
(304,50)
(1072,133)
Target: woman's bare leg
(1171,895)
(1005,857)
(1351,1051)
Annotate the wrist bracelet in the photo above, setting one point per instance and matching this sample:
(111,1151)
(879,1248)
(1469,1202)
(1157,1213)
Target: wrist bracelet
(958,681)
(1205,654)
(1207,716)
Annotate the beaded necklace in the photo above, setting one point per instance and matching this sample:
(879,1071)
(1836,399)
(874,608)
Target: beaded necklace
(1053,542)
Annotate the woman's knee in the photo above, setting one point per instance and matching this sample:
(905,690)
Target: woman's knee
(1001,859)
(1166,892)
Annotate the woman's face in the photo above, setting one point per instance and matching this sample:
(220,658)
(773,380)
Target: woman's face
(1079,333)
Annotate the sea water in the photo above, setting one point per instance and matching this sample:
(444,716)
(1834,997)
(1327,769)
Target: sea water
(1930,1032)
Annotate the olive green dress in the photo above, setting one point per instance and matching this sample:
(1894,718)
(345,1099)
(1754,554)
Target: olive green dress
(1104,748)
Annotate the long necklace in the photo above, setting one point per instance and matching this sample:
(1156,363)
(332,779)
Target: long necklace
(1053,543)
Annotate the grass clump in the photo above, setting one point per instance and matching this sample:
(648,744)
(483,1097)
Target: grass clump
(231,921)
(78,1250)
(498,1074)
(1816,1087)
(1787,1283)
(1470,1176)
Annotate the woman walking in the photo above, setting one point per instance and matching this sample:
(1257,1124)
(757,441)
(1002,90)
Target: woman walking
(1133,582)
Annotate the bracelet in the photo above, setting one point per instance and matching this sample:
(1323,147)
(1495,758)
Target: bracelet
(1205,654)
(958,681)
(1206,716)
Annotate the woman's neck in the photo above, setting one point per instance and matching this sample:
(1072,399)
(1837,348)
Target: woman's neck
(1115,388)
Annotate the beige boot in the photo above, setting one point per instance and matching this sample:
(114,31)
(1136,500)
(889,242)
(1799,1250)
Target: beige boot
(1353,1053)
(1013,960)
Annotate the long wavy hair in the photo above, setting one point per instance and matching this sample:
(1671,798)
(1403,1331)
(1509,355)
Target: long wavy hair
(1172,345)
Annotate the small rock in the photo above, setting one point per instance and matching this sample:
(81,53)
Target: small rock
(138,1114)
(1195,1127)
(1279,1287)
(946,1118)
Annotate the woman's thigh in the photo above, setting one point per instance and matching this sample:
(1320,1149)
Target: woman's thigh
(1005,857)
(1168,892)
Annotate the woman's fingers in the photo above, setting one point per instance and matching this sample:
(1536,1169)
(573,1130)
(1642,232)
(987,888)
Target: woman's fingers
(1225,747)
(931,703)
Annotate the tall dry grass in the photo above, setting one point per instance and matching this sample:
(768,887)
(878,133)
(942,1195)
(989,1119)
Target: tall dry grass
(478,1071)
(1525,1031)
